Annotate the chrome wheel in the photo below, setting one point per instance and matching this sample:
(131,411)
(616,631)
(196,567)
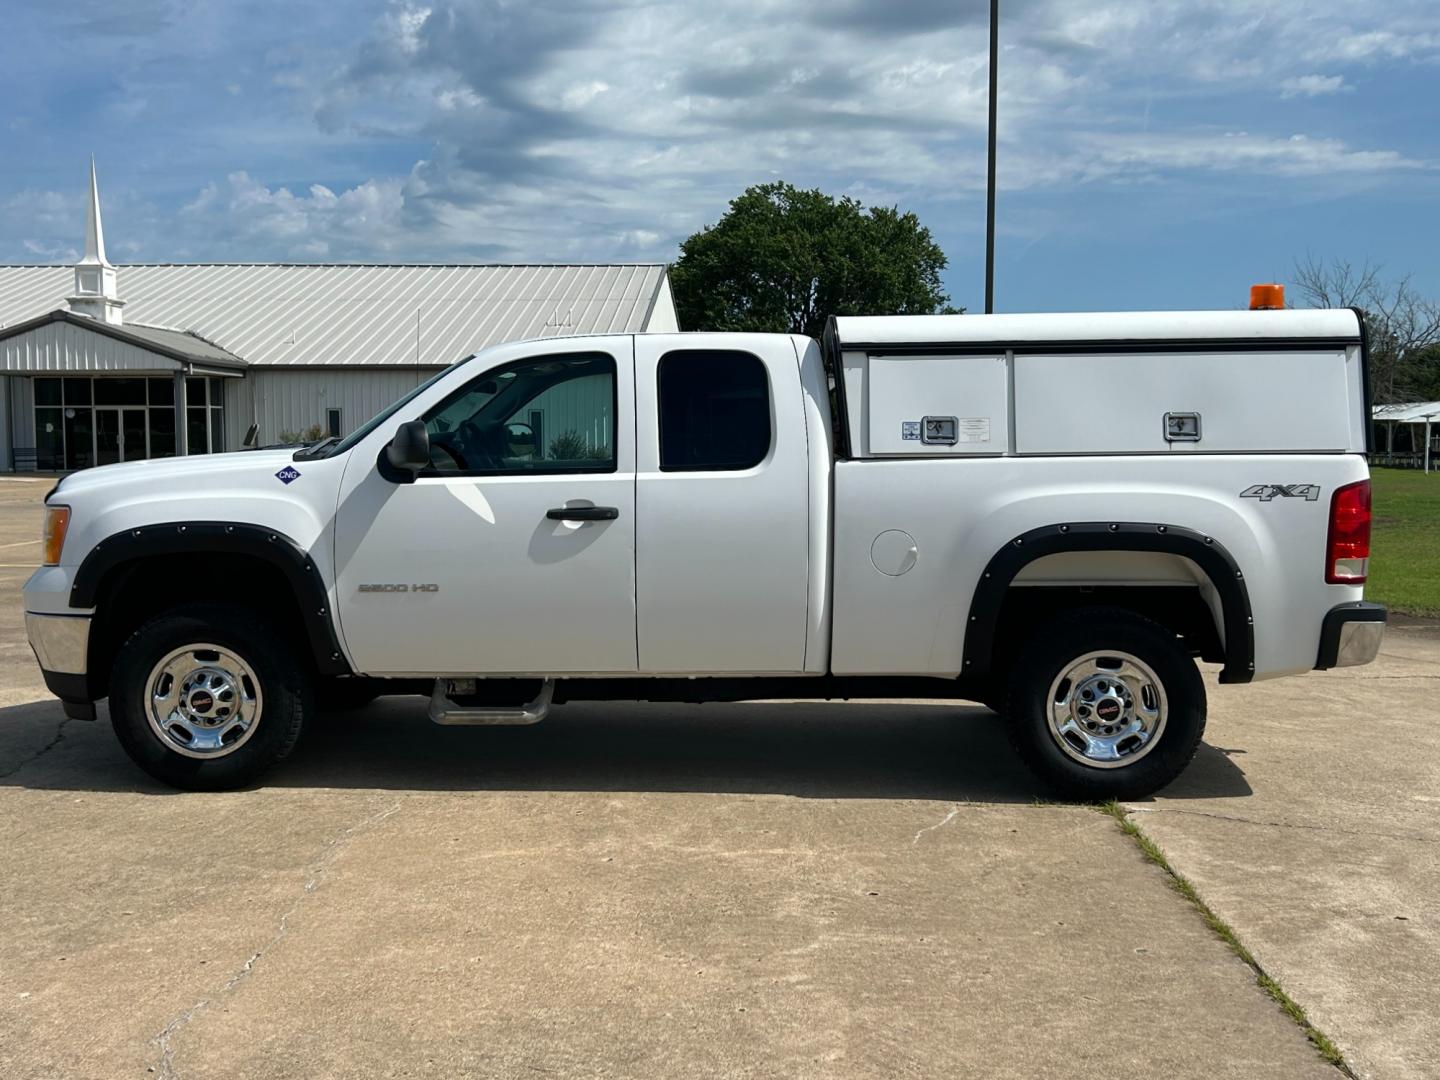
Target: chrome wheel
(203,701)
(1107,709)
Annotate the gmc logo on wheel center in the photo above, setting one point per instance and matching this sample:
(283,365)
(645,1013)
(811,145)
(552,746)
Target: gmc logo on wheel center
(1268,492)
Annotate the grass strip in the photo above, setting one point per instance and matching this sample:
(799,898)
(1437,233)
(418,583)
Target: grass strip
(1177,881)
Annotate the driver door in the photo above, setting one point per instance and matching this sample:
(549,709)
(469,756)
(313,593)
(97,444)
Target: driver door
(514,552)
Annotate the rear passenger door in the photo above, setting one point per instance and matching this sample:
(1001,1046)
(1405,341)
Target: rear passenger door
(722,511)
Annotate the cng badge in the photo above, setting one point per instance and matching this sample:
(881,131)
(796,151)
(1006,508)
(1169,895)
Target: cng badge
(288,475)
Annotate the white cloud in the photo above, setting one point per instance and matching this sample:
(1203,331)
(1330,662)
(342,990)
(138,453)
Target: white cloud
(576,129)
(1298,155)
(245,214)
(1313,86)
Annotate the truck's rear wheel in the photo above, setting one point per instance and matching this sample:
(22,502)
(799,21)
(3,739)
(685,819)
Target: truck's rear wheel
(1105,704)
(207,697)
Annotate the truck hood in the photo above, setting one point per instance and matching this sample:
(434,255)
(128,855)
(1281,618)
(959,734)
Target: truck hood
(182,471)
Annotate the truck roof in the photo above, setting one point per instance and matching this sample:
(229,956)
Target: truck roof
(1331,325)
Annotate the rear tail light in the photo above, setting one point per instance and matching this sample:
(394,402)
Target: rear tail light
(1347,548)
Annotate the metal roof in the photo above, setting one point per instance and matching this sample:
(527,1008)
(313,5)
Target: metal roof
(353,314)
(176,344)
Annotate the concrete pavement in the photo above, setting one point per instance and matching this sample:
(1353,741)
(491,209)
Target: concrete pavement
(1329,869)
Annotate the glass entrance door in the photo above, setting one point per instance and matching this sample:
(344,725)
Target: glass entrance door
(119,435)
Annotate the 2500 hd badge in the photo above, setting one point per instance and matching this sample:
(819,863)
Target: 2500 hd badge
(399,588)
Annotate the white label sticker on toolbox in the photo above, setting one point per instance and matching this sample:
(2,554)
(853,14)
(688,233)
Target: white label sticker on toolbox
(974,429)
(910,429)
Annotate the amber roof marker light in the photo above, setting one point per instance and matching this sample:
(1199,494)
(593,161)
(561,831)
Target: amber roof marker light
(1269,296)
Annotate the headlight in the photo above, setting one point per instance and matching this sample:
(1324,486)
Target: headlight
(57,521)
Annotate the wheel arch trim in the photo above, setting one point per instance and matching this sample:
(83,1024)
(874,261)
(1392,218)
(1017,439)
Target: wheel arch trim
(1205,551)
(220,538)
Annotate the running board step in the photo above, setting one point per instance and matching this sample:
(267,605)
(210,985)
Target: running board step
(445,711)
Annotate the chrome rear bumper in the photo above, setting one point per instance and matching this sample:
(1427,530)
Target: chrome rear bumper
(1351,635)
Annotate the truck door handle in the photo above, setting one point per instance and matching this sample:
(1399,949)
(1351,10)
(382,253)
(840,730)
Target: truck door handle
(583,513)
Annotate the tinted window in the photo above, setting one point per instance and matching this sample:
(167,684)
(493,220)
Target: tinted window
(120,392)
(546,414)
(714,410)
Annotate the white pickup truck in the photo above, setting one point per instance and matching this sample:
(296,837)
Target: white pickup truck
(1051,514)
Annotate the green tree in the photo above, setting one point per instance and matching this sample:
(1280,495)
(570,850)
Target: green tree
(782,259)
(1403,326)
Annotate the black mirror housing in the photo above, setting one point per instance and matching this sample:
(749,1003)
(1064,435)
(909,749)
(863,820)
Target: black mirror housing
(409,450)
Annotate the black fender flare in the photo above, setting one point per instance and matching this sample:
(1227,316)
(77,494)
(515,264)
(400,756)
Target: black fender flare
(221,537)
(1205,551)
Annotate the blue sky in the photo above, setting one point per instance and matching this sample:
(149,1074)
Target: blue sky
(1153,155)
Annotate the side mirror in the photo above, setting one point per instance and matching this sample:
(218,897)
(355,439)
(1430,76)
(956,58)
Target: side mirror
(409,451)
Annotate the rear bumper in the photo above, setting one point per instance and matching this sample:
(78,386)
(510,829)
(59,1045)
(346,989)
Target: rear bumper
(61,644)
(1350,635)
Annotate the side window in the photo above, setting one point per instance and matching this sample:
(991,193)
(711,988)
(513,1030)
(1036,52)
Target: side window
(714,410)
(548,414)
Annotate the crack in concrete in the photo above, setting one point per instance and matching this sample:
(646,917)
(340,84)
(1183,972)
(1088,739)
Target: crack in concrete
(317,870)
(56,741)
(938,825)
(1284,824)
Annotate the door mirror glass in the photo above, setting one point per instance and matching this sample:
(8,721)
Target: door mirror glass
(521,437)
(409,451)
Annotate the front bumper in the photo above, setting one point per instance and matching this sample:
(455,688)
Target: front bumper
(1350,635)
(61,644)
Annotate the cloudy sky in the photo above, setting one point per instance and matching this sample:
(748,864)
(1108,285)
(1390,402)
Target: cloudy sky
(1152,154)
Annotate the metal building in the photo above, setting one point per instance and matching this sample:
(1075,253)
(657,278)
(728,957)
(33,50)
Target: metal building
(100,364)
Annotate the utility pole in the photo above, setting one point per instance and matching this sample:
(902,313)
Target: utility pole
(990,172)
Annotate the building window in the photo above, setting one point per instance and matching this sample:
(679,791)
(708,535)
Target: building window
(119,391)
(332,423)
(86,421)
(714,411)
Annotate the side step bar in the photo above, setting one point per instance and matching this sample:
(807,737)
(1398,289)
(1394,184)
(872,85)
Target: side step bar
(445,711)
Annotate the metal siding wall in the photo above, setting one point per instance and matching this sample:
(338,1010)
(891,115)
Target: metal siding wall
(62,347)
(663,319)
(239,410)
(293,400)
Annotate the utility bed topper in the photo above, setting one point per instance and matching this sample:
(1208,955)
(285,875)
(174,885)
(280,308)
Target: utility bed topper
(1102,383)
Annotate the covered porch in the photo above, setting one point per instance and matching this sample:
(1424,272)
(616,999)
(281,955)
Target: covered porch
(1407,435)
(76,392)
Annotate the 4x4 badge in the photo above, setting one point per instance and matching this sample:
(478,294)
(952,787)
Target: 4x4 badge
(1266,492)
(288,474)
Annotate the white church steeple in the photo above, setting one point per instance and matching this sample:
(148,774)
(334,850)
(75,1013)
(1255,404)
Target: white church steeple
(96,293)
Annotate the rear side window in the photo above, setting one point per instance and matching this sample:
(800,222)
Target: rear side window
(714,410)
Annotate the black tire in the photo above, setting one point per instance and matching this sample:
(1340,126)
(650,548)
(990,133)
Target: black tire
(287,695)
(1052,652)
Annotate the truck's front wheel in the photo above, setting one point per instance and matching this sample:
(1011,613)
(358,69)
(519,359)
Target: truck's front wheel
(206,697)
(1105,704)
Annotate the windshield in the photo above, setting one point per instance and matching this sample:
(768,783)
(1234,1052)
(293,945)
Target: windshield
(385,414)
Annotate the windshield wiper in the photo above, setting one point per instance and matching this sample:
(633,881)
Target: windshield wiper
(313,450)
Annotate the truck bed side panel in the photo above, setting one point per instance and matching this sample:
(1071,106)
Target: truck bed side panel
(960,512)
